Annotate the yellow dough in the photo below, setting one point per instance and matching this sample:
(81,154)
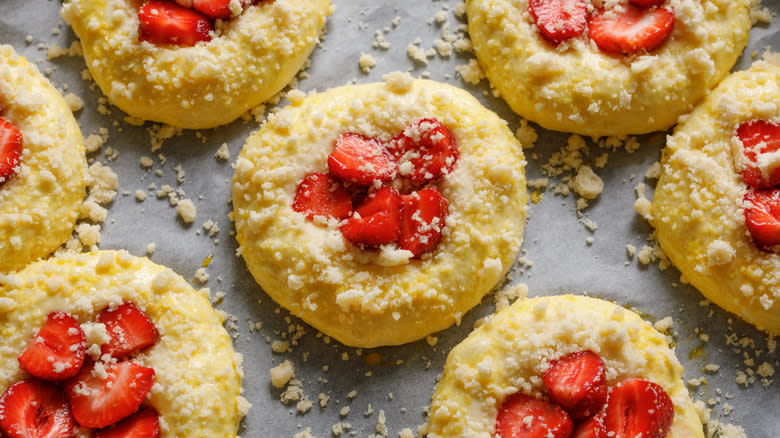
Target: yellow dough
(697,207)
(252,57)
(365,298)
(197,374)
(512,349)
(577,88)
(40,204)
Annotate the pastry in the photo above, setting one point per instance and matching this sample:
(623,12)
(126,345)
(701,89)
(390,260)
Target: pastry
(439,208)
(607,67)
(167,63)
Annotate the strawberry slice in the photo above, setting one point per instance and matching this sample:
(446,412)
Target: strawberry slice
(35,409)
(559,20)
(10,149)
(631,29)
(593,427)
(638,408)
(578,382)
(165,22)
(57,351)
(213,9)
(320,195)
(424,216)
(142,424)
(425,151)
(130,330)
(762,216)
(759,137)
(378,219)
(361,160)
(646,3)
(522,416)
(103,394)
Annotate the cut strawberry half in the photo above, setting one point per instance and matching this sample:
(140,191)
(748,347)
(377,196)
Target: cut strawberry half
(762,216)
(631,29)
(578,382)
(130,330)
(10,149)
(592,427)
(425,151)
(361,160)
(320,195)
(423,220)
(760,139)
(213,9)
(521,416)
(638,408)
(57,351)
(165,22)
(378,219)
(103,394)
(35,409)
(143,424)
(559,20)
(646,3)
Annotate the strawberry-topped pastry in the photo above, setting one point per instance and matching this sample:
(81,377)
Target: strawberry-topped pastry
(96,344)
(563,367)
(194,63)
(717,205)
(380,213)
(601,68)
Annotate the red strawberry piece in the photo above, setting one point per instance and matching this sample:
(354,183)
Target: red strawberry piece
(213,8)
(593,427)
(103,394)
(522,416)
(320,195)
(559,20)
(10,149)
(578,382)
(361,160)
(35,409)
(762,216)
(424,216)
(130,330)
(638,408)
(165,22)
(57,351)
(631,29)
(378,219)
(429,148)
(142,424)
(759,137)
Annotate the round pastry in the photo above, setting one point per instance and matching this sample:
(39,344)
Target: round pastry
(715,209)
(601,68)
(196,385)
(42,164)
(166,63)
(376,286)
(514,351)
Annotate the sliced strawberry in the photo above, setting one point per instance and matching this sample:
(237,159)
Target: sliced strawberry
(759,137)
(57,351)
(428,147)
(103,394)
(638,408)
(142,424)
(424,216)
(593,427)
(559,20)
(213,9)
(521,416)
(378,219)
(630,30)
(35,409)
(165,22)
(578,382)
(130,330)
(360,160)
(10,149)
(762,216)
(646,3)
(320,195)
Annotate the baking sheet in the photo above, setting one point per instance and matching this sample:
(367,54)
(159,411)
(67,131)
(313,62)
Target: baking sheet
(557,257)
